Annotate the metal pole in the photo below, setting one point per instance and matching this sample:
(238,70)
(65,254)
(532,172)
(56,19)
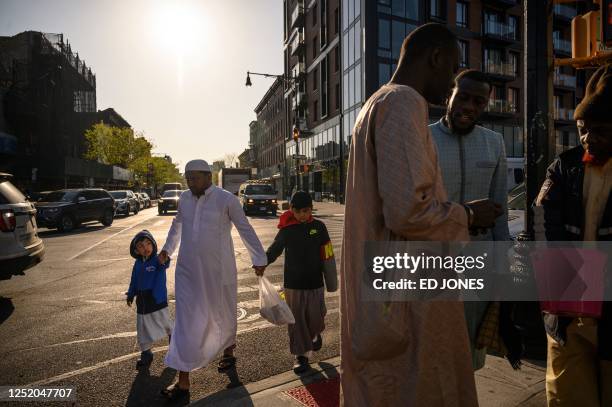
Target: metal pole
(537,129)
(297,165)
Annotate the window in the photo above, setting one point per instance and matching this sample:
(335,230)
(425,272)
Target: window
(513,99)
(462,14)
(315,110)
(515,63)
(324,82)
(336,21)
(315,12)
(384,73)
(384,34)
(315,47)
(437,9)
(336,59)
(337,96)
(323,25)
(464,47)
(513,27)
(315,78)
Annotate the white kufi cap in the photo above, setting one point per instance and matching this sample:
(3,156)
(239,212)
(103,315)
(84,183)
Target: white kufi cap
(197,165)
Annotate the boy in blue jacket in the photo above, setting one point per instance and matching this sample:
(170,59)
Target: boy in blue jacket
(148,285)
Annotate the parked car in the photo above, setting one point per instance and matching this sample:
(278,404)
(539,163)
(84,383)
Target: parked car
(257,197)
(168,201)
(68,208)
(142,204)
(20,246)
(126,202)
(146,201)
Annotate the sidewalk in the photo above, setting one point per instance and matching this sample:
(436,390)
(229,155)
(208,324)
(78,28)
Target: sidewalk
(497,384)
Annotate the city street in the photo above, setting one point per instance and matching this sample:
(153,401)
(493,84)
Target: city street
(65,322)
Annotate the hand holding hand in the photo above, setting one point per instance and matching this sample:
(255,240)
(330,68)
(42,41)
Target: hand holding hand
(129,301)
(163,257)
(259,270)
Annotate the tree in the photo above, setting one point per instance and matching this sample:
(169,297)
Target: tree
(230,159)
(122,147)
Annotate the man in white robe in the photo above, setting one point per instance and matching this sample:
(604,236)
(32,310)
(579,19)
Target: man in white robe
(205,279)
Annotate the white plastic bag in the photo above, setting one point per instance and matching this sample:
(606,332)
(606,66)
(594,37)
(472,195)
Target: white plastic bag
(271,307)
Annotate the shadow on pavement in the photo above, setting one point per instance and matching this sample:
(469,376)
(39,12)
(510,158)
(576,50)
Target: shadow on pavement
(146,389)
(6,309)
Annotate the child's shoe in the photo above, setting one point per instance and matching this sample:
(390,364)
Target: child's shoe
(146,358)
(301,365)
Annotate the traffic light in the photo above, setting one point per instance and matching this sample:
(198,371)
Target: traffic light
(296,133)
(585,34)
(606,22)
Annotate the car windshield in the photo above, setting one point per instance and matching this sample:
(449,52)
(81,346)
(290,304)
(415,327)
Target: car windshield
(259,190)
(118,194)
(59,196)
(171,194)
(9,194)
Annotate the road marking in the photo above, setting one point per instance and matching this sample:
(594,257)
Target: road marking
(255,327)
(108,238)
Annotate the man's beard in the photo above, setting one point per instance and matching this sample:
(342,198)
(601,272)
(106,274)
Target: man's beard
(460,131)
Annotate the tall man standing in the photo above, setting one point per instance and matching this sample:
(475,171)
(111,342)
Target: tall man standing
(577,201)
(473,163)
(404,353)
(205,280)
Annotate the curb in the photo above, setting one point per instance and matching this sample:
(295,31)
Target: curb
(245,395)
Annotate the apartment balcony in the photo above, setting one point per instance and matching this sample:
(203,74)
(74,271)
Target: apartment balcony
(564,114)
(562,45)
(297,16)
(297,43)
(502,3)
(298,100)
(299,70)
(503,70)
(501,106)
(564,80)
(564,12)
(499,31)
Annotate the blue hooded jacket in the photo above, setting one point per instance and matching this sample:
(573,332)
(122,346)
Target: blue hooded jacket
(148,282)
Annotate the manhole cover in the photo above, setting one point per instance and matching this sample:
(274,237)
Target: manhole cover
(241,312)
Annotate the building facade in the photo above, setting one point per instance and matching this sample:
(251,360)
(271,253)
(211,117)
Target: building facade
(268,139)
(338,53)
(48,100)
(313,63)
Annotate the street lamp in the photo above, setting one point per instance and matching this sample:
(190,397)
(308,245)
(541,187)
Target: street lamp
(296,138)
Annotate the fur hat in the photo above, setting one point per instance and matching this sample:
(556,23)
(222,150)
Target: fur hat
(597,102)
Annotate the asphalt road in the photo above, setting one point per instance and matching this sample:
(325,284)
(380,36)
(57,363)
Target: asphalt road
(65,322)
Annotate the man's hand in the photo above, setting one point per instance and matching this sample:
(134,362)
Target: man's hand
(259,270)
(485,213)
(163,257)
(129,301)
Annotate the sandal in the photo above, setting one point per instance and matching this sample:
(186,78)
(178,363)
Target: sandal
(226,362)
(174,394)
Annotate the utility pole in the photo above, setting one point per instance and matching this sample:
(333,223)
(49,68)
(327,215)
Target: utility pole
(538,124)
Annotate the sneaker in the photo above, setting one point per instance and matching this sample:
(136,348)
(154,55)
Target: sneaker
(301,365)
(146,358)
(317,344)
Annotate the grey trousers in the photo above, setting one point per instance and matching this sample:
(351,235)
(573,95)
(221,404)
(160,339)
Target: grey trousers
(308,308)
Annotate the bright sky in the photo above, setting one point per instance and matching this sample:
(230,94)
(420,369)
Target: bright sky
(173,69)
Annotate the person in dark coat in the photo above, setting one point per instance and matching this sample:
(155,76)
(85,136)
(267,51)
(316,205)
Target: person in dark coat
(577,202)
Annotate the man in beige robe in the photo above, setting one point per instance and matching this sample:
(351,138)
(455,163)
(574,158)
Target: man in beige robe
(404,353)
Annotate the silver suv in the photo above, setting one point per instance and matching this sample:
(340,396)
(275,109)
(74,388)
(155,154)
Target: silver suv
(20,246)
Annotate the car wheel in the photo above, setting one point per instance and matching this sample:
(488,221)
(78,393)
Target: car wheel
(66,224)
(160,211)
(108,217)
(136,210)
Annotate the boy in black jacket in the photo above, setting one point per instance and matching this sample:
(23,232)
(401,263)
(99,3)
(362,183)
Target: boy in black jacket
(309,260)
